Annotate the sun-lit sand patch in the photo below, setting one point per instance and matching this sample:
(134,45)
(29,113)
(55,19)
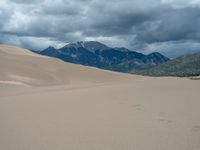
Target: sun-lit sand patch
(17,51)
(22,78)
(195,78)
(14,83)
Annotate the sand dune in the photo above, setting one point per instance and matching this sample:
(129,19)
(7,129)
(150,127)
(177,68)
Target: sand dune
(22,66)
(92,109)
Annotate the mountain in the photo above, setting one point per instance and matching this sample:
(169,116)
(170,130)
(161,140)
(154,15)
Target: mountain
(50,51)
(92,46)
(140,63)
(93,53)
(182,66)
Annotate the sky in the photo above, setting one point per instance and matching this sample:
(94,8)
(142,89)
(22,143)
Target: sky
(171,27)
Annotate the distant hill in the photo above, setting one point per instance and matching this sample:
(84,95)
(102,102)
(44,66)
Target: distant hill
(93,53)
(182,66)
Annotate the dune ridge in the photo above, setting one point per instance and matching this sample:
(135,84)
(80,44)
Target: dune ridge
(21,65)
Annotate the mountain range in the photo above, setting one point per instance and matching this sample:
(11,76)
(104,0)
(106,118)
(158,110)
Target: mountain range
(96,54)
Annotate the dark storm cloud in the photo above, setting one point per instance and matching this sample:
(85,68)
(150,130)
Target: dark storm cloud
(112,24)
(137,24)
(24,1)
(115,18)
(173,25)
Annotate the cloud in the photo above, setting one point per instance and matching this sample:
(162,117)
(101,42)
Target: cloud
(173,49)
(175,25)
(136,24)
(182,3)
(32,43)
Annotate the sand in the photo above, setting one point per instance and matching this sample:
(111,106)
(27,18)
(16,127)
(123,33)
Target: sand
(83,108)
(22,66)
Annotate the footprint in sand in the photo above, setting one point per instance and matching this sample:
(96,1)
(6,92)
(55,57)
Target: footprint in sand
(196,128)
(137,107)
(164,120)
(162,114)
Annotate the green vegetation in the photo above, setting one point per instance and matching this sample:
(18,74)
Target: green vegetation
(185,66)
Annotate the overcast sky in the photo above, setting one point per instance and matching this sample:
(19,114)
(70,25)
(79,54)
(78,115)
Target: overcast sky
(171,27)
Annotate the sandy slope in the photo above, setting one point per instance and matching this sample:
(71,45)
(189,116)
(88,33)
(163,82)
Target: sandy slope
(110,111)
(20,66)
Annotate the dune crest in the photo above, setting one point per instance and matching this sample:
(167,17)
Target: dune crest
(17,51)
(26,67)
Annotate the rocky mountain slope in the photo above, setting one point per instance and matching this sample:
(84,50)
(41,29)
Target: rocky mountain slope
(93,53)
